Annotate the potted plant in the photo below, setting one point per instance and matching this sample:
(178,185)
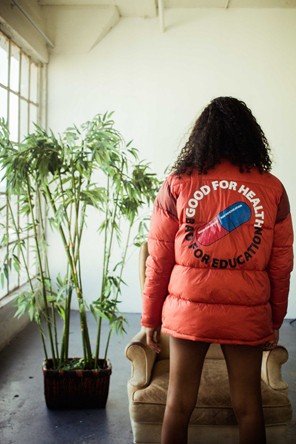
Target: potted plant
(55,180)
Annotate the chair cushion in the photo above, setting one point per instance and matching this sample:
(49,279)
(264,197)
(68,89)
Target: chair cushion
(213,405)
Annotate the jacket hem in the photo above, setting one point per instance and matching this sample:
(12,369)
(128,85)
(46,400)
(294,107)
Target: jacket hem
(217,341)
(277,326)
(147,325)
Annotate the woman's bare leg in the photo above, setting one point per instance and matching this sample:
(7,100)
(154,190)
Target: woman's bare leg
(186,363)
(244,373)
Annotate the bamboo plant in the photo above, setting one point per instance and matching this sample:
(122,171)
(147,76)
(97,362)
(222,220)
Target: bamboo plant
(55,179)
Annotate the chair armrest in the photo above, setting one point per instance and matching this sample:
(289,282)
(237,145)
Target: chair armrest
(142,359)
(271,369)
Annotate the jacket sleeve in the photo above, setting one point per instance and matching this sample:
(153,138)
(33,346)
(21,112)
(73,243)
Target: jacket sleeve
(161,260)
(281,262)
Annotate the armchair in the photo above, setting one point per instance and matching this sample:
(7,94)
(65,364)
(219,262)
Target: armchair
(213,418)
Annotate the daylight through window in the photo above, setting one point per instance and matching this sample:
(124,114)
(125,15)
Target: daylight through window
(19,105)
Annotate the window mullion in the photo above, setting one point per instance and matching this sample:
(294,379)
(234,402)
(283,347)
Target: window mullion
(18,139)
(7,205)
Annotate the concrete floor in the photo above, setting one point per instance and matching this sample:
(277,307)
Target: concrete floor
(26,420)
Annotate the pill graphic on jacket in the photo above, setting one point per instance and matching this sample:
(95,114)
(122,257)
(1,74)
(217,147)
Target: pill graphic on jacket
(222,224)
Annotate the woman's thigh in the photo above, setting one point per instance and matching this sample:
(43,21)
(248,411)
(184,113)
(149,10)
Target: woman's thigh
(186,364)
(244,373)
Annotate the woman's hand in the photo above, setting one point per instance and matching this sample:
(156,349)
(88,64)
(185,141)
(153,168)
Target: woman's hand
(152,338)
(270,345)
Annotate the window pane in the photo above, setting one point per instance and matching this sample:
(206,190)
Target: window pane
(14,67)
(30,231)
(24,119)
(3,102)
(12,231)
(4,45)
(33,117)
(33,83)
(16,109)
(32,257)
(23,272)
(13,278)
(3,291)
(25,76)
(13,117)
(2,182)
(23,221)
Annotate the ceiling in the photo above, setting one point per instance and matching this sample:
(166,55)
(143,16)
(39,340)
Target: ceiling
(149,8)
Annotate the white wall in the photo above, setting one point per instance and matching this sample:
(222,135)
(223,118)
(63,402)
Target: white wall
(158,84)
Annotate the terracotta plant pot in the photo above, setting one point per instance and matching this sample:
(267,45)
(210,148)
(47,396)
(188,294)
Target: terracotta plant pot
(76,389)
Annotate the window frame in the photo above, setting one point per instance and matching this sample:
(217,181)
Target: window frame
(41,116)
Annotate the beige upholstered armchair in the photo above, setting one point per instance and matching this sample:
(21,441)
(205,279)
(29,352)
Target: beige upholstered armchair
(213,419)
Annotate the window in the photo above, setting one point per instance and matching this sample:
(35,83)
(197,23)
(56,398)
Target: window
(19,105)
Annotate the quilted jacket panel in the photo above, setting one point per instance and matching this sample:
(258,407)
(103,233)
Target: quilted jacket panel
(220,257)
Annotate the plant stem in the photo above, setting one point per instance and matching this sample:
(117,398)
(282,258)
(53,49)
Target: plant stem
(76,242)
(69,298)
(103,277)
(65,337)
(82,218)
(66,329)
(41,273)
(68,322)
(79,235)
(55,330)
(48,275)
(106,264)
(120,276)
(42,339)
(67,307)
(81,301)
(75,257)
(83,323)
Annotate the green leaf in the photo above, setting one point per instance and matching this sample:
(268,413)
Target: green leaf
(16,267)
(103,315)
(61,311)
(5,269)
(119,263)
(31,313)
(92,309)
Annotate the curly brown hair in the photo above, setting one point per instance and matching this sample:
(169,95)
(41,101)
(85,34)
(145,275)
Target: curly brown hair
(227,129)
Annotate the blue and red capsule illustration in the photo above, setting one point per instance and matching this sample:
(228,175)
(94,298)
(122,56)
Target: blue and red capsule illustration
(222,224)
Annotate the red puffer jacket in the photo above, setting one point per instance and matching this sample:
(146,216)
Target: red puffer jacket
(220,248)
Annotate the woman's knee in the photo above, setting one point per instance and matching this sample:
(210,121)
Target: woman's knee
(246,400)
(244,373)
(181,405)
(181,398)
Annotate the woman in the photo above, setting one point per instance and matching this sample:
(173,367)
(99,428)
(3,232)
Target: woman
(220,246)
